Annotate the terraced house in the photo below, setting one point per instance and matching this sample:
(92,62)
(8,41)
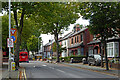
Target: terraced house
(78,41)
(113,47)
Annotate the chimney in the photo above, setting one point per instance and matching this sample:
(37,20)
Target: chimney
(77,27)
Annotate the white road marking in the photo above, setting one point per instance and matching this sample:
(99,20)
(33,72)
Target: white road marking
(60,70)
(33,66)
(44,65)
(51,67)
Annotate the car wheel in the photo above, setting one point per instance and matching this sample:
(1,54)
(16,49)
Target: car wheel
(83,62)
(89,63)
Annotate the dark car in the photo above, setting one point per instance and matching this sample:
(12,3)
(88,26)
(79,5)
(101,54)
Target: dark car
(94,59)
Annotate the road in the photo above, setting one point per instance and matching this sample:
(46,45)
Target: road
(37,69)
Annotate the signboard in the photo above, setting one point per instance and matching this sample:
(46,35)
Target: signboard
(10,42)
(14,34)
(13,66)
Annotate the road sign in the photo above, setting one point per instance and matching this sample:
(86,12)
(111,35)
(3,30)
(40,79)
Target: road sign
(14,34)
(13,66)
(9,42)
(13,37)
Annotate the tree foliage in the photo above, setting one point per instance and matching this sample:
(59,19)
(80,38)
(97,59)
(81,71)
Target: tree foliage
(54,18)
(104,17)
(21,12)
(5,30)
(32,43)
(104,21)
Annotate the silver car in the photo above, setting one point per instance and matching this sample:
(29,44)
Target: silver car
(94,59)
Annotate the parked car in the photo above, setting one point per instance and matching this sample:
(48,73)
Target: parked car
(94,59)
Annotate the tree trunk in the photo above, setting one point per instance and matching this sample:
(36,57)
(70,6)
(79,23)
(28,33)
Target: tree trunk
(102,54)
(17,49)
(106,59)
(19,32)
(17,43)
(57,49)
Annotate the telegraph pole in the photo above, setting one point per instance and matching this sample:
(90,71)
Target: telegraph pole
(9,66)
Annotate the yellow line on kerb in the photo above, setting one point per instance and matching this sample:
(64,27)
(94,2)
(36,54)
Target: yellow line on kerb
(25,75)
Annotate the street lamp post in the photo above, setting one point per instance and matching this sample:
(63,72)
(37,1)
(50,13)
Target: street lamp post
(9,66)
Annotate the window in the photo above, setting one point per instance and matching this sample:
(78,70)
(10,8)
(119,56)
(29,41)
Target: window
(82,51)
(90,50)
(81,37)
(113,49)
(78,50)
(77,38)
(110,49)
(65,42)
(23,54)
(72,41)
(116,49)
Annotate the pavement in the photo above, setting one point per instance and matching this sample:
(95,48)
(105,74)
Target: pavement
(94,68)
(4,73)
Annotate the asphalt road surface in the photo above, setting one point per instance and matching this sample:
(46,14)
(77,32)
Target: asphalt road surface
(37,69)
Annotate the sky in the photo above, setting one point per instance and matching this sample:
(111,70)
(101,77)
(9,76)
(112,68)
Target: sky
(81,21)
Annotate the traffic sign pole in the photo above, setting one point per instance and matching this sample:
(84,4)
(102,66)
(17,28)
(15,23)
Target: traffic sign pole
(9,66)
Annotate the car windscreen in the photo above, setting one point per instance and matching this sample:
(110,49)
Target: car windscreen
(97,56)
(23,54)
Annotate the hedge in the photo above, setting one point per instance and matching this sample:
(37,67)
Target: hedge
(77,58)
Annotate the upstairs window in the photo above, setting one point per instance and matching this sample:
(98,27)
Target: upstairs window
(81,37)
(65,42)
(72,41)
(77,38)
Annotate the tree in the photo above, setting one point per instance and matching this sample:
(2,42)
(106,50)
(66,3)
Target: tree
(5,31)
(54,47)
(54,18)
(104,19)
(24,9)
(29,30)
(32,43)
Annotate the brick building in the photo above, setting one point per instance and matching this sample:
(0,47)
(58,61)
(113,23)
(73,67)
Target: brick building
(113,47)
(78,41)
